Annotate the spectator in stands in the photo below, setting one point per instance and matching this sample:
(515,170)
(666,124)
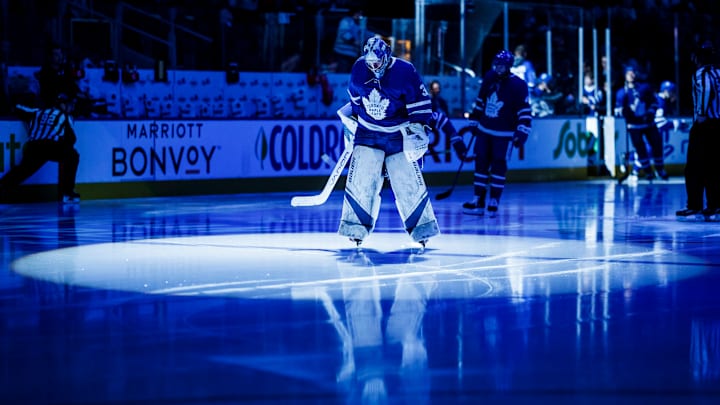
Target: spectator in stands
(523,68)
(351,35)
(593,99)
(544,98)
(440,121)
(55,77)
(438,102)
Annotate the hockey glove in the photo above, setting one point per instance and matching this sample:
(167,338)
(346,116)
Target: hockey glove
(519,138)
(460,149)
(415,140)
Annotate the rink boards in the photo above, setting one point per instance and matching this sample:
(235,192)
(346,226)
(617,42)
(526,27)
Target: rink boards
(155,151)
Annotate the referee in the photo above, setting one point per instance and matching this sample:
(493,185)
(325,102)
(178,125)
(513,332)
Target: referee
(702,174)
(51,137)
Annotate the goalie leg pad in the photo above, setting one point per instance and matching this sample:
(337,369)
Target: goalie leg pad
(411,197)
(361,204)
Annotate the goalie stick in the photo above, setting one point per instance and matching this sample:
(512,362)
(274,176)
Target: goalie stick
(319,199)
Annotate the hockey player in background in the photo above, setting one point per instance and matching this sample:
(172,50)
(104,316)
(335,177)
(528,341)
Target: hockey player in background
(502,115)
(666,98)
(392,107)
(637,103)
(665,101)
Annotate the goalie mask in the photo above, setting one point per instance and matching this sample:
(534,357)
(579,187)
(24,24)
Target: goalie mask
(377,55)
(502,63)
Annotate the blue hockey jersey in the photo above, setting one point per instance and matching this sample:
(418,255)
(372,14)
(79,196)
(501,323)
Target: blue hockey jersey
(387,104)
(502,106)
(664,109)
(637,105)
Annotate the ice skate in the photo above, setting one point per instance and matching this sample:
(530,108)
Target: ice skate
(474,207)
(357,242)
(689,215)
(711,214)
(492,208)
(71,198)
(625,174)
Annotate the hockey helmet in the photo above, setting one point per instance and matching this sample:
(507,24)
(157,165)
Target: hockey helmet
(545,78)
(502,62)
(377,55)
(667,86)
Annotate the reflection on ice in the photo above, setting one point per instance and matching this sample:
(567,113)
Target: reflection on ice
(705,349)
(267,266)
(377,346)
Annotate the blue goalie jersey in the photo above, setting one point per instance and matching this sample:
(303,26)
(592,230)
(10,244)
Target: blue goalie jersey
(389,103)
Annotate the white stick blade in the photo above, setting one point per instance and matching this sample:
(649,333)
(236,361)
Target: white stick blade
(307,201)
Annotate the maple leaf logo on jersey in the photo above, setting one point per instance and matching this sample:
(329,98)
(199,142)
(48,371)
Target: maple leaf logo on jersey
(375,105)
(492,109)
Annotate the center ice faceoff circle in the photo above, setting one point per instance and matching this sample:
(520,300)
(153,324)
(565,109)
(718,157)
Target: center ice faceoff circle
(301,266)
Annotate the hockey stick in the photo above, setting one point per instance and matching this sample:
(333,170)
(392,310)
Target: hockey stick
(321,198)
(627,162)
(445,194)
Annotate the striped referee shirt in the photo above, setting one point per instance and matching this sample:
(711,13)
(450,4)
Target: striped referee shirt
(706,93)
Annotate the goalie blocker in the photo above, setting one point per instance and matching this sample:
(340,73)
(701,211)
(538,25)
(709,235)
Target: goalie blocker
(415,141)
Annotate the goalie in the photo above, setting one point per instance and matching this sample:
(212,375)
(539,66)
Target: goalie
(392,106)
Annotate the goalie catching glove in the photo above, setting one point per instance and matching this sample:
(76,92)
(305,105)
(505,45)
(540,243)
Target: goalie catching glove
(415,141)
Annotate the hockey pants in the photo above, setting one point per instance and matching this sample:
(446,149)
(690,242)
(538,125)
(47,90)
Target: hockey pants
(638,137)
(362,195)
(490,166)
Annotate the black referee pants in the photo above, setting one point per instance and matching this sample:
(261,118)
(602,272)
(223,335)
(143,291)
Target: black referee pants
(35,155)
(702,172)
